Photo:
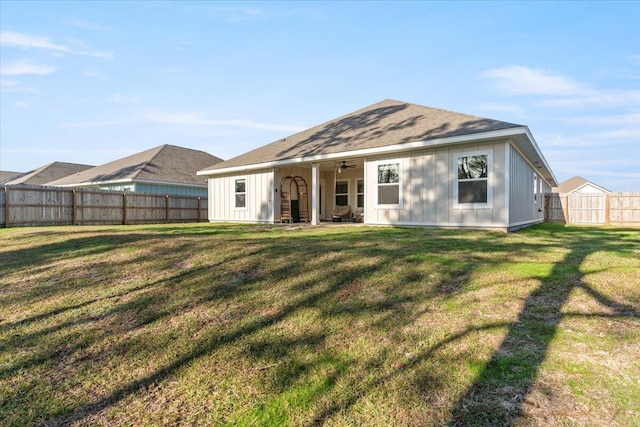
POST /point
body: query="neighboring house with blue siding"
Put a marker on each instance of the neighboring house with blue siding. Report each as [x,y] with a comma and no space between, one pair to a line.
[166,169]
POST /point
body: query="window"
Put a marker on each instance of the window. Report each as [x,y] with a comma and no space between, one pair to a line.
[388,183]
[472,187]
[360,193]
[241,193]
[535,188]
[342,193]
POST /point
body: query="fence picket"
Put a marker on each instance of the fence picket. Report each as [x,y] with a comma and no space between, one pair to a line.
[33,205]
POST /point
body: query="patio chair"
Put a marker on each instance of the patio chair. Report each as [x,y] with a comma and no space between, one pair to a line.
[341,213]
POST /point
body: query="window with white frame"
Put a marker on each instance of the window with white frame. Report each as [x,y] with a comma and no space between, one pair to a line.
[389,184]
[535,188]
[360,193]
[240,189]
[342,193]
[472,187]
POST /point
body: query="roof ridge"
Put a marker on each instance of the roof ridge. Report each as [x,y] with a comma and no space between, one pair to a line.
[159,150]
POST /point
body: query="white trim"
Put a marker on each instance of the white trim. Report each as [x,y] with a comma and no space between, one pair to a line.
[577,189]
[401,173]
[441,224]
[364,192]
[396,148]
[234,193]
[250,220]
[507,182]
[490,180]
[531,221]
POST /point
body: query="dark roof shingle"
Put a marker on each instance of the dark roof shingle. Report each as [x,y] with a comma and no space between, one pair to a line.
[47,173]
[385,123]
[165,163]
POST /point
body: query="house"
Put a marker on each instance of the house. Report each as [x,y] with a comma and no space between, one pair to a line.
[46,173]
[166,169]
[578,184]
[8,176]
[393,163]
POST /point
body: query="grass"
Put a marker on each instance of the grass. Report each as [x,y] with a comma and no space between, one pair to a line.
[255,325]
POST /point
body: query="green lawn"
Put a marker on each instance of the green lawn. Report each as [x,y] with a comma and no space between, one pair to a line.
[203,324]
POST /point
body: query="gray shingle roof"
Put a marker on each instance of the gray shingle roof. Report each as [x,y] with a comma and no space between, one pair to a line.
[165,163]
[47,173]
[573,183]
[8,176]
[382,124]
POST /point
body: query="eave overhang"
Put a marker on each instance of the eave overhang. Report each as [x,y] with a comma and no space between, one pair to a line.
[520,136]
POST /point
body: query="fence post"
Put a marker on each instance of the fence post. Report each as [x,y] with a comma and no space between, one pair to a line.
[566,209]
[166,207]
[199,208]
[74,214]
[607,209]
[6,207]
[124,208]
[546,207]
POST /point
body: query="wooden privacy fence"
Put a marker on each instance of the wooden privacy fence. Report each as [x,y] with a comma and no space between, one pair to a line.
[594,208]
[24,206]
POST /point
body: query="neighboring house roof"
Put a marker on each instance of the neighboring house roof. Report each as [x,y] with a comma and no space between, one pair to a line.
[8,176]
[47,173]
[382,127]
[575,184]
[163,164]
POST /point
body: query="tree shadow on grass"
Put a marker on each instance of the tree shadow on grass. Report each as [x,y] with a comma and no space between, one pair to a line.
[498,394]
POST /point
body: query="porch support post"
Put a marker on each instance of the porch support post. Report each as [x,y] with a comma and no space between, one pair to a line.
[315,193]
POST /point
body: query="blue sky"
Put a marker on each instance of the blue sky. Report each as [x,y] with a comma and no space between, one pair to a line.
[90,82]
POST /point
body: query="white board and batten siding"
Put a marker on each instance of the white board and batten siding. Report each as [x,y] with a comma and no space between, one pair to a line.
[428,178]
[259,206]
[525,205]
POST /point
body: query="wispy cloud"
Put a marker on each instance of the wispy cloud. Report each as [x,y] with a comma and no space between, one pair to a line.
[558,90]
[79,125]
[7,86]
[519,80]
[118,98]
[199,120]
[617,119]
[93,26]
[602,98]
[25,66]
[187,119]
[28,41]
[10,38]
[501,108]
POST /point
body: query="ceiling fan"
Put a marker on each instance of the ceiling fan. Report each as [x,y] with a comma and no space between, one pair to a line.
[344,165]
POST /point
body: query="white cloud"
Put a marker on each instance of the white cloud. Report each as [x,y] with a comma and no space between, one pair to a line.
[198,119]
[501,108]
[598,98]
[124,99]
[25,66]
[619,119]
[10,38]
[27,41]
[86,25]
[519,80]
[79,125]
[188,119]
[6,83]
